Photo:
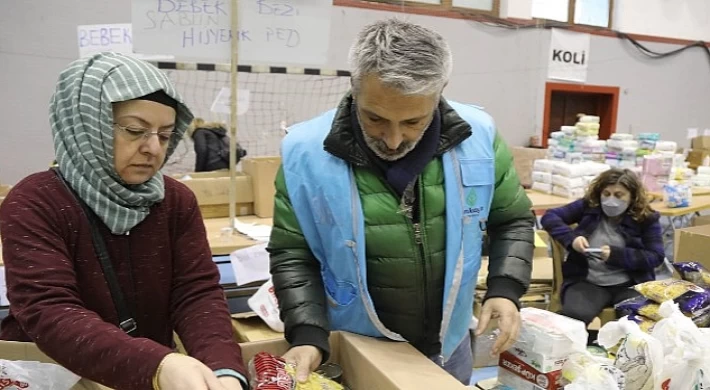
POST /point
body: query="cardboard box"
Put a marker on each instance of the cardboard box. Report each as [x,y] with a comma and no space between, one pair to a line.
[370,364]
[514,372]
[212,192]
[693,244]
[367,363]
[701,220]
[263,172]
[4,189]
[523,159]
[249,327]
[701,143]
[695,158]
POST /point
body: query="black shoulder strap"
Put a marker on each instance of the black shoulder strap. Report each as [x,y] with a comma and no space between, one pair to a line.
[126,321]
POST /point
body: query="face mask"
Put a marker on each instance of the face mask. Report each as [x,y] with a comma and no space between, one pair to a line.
[613,206]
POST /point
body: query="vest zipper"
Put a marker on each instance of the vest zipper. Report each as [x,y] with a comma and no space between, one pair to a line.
[419,242]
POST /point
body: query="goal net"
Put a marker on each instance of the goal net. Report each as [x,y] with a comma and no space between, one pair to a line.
[277,98]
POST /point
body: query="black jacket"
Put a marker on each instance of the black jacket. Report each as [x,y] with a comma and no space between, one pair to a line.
[212,149]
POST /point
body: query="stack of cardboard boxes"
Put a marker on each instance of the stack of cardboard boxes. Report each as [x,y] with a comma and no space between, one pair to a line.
[700,149]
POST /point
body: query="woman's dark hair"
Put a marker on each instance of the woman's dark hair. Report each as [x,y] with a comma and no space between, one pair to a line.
[639,208]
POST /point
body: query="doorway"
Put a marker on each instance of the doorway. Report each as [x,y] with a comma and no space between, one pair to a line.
[564,101]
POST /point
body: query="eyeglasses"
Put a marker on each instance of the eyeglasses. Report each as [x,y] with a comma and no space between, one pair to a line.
[135,134]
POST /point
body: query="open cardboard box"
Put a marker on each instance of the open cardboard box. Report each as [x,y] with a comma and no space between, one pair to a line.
[368,363]
[262,171]
[371,364]
[212,192]
[693,244]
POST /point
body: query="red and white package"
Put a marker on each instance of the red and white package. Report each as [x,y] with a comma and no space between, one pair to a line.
[269,372]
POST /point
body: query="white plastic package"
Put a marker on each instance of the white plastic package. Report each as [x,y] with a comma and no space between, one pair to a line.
[550,334]
[35,376]
[567,182]
[685,348]
[586,372]
[639,357]
[542,177]
[542,187]
[265,304]
[589,119]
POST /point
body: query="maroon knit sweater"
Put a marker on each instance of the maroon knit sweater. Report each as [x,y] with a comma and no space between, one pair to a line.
[60,299]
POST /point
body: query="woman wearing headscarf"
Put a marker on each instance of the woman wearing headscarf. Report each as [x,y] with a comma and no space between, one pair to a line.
[105,257]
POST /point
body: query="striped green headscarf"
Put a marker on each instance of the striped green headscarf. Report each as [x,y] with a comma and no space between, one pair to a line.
[81,117]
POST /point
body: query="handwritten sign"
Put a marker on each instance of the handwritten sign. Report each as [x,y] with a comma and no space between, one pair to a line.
[96,38]
[270,31]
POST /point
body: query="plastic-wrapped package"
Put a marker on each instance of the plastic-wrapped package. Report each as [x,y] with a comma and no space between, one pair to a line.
[586,372]
[684,348]
[694,273]
[542,187]
[482,347]
[677,195]
[622,137]
[269,372]
[639,356]
[646,324]
[665,290]
[640,305]
[35,376]
[550,334]
[542,177]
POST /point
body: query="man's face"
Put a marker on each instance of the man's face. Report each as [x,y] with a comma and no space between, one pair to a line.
[392,122]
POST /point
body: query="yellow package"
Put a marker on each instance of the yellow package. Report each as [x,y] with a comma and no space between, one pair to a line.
[314,382]
[666,290]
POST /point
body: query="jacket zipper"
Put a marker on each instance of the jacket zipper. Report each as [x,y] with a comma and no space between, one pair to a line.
[419,243]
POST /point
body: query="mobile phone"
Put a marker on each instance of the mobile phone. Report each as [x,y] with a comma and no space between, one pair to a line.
[593,250]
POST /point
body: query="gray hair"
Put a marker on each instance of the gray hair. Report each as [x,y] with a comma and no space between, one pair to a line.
[406,56]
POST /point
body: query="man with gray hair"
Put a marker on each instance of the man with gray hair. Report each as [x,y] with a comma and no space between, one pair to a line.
[381,209]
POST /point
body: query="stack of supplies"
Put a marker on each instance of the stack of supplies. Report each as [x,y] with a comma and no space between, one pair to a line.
[656,171]
[563,178]
[621,151]
[546,341]
[702,179]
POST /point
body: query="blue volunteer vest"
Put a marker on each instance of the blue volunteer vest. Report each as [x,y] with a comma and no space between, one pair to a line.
[326,202]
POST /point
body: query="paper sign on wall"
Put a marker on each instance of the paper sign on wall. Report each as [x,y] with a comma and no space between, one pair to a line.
[222,103]
[569,56]
[96,38]
[270,31]
[692,133]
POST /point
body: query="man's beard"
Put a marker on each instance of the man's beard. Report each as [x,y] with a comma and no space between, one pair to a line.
[381,150]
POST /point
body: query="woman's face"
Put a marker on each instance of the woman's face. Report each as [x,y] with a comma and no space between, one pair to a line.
[142,133]
[618,191]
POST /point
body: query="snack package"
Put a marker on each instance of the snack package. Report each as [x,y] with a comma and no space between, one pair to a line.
[35,376]
[665,290]
[586,372]
[639,357]
[269,372]
[644,323]
[640,305]
[694,273]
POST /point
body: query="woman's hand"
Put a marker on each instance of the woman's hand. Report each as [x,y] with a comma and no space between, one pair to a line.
[606,252]
[580,244]
[180,372]
[230,383]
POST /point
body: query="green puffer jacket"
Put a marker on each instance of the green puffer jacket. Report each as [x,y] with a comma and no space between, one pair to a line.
[405,280]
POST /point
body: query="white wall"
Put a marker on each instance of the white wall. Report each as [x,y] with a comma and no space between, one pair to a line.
[685,19]
[682,19]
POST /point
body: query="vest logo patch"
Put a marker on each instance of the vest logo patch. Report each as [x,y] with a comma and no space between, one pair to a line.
[472,210]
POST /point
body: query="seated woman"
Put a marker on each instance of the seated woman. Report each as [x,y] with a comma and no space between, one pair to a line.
[616,244]
[106,257]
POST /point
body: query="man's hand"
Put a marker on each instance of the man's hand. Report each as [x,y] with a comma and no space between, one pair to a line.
[606,252]
[508,322]
[230,383]
[306,358]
